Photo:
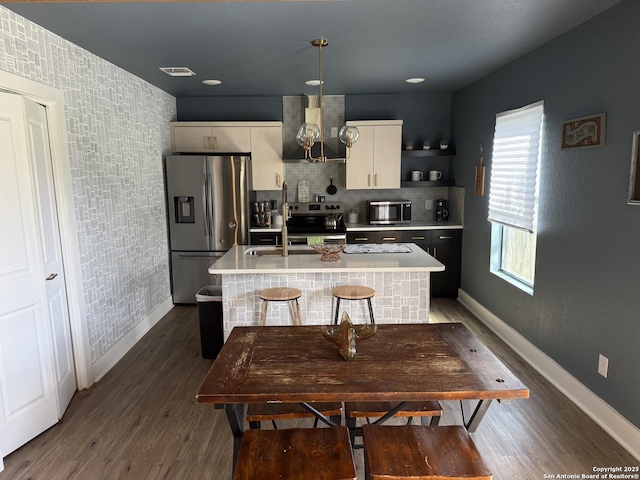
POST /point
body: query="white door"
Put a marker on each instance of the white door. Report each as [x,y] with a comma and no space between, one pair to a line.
[28,403]
[38,138]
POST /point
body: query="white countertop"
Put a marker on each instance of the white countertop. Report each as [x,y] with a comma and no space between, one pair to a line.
[360,227]
[237,261]
[425,225]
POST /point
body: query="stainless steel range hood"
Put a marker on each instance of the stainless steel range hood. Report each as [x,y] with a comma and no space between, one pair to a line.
[301,109]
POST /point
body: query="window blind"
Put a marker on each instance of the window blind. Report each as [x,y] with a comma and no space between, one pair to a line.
[513,188]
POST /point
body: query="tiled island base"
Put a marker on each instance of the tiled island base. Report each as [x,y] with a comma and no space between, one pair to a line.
[401,297]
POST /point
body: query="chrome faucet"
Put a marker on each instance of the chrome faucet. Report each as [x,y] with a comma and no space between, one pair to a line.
[285,216]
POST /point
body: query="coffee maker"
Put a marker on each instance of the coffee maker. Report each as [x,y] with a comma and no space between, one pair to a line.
[442,213]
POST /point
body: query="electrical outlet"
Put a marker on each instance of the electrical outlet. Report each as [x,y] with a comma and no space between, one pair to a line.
[428,204]
[603,365]
[334,132]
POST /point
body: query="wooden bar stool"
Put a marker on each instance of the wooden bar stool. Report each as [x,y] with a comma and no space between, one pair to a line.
[264,412]
[429,413]
[296,453]
[424,410]
[280,294]
[259,412]
[416,452]
[353,292]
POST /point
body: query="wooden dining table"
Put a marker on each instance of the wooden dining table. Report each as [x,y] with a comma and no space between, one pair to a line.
[400,363]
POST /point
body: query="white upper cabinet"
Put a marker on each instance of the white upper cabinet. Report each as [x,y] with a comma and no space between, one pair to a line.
[375,157]
[266,157]
[262,139]
[210,139]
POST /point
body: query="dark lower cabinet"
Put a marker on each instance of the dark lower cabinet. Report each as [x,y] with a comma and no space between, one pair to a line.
[446,247]
[266,239]
[375,237]
[361,237]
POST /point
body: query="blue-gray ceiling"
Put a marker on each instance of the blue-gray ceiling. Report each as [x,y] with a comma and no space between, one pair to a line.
[263,48]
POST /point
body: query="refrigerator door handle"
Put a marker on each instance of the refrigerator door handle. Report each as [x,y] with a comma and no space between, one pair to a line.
[234,193]
[209,208]
[205,208]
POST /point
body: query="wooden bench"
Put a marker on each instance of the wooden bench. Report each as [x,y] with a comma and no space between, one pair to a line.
[264,412]
[296,453]
[417,452]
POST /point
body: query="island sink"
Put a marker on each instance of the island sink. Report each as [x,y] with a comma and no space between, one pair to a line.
[278,251]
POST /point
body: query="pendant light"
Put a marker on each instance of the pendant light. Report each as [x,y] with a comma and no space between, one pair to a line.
[310,133]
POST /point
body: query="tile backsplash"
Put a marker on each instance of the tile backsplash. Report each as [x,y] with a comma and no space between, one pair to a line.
[319,177]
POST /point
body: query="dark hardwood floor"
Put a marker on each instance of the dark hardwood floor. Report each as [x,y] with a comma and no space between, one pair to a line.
[142,422]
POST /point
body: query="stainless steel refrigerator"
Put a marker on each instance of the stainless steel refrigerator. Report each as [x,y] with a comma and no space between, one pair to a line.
[208,201]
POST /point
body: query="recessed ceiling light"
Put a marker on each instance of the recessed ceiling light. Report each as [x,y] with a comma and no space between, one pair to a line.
[414,80]
[178,71]
[313,83]
[211,82]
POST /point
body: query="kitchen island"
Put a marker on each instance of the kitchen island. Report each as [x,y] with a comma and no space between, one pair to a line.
[401,282]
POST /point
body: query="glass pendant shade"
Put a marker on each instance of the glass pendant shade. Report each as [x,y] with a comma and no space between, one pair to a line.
[308,134]
[349,135]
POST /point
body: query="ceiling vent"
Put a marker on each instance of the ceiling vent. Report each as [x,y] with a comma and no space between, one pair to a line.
[178,71]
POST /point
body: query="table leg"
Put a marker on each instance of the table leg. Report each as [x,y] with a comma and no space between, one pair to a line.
[235,417]
[329,421]
[390,413]
[476,415]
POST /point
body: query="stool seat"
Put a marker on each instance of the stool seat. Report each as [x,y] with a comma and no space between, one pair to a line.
[297,453]
[379,409]
[429,413]
[261,412]
[417,452]
[353,292]
[280,294]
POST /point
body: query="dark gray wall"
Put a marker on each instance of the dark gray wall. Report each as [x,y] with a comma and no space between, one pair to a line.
[587,286]
[229,109]
[425,116]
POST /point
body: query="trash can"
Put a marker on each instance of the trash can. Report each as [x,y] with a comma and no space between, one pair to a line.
[209,301]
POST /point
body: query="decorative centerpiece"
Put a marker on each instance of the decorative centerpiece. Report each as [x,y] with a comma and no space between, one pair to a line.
[346,336]
[329,251]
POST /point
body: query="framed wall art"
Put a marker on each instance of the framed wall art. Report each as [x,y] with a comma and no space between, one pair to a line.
[634,178]
[584,132]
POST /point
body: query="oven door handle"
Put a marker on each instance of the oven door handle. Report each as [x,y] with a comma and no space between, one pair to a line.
[302,239]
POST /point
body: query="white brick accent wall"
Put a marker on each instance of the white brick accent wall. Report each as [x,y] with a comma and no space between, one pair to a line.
[399,298]
[118,132]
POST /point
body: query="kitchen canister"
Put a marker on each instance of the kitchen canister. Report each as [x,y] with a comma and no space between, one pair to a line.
[352,217]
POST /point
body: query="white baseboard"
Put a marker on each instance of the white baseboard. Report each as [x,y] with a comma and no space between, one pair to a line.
[623,431]
[122,346]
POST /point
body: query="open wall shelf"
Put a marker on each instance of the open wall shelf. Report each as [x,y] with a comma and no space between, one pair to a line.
[427,183]
[449,152]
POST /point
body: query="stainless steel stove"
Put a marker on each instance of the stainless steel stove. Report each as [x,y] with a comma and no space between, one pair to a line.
[310,220]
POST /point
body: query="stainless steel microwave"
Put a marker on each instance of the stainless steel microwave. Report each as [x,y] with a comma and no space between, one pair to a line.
[388,212]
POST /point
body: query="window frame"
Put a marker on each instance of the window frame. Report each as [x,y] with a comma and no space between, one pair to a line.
[497,245]
[497,228]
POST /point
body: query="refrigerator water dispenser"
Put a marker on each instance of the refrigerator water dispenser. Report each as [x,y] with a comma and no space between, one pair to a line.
[184,210]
